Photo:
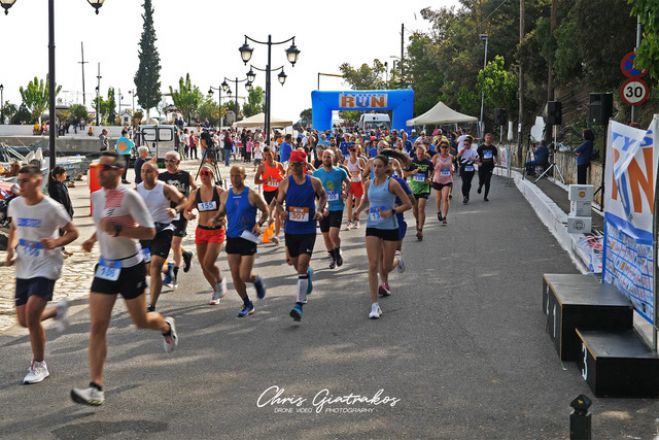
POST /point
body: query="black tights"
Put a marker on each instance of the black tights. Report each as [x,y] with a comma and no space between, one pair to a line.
[466,182]
[484,177]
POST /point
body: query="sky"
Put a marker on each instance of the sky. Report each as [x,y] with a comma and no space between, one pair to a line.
[202,37]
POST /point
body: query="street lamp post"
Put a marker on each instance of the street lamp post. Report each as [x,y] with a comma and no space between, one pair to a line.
[292,54]
[483,37]
[132,94]
[52,131]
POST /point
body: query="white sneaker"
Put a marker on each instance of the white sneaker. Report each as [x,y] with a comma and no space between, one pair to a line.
[218,292]
[88,396]
[401,264]
[376,311]
[355,225]
[171,341]
[61,316]
[37,372]
[348,226]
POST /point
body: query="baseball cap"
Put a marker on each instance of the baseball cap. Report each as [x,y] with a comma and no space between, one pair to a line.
[298,156]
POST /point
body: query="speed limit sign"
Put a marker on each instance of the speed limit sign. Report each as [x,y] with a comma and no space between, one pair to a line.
[634,91]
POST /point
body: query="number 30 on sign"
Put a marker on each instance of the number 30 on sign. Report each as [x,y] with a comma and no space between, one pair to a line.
[634,91]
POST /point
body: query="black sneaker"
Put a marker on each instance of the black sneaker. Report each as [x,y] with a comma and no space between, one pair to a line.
[480,189]
[187,260]
[339,259]
[486,199]
[439,216]
[465,201]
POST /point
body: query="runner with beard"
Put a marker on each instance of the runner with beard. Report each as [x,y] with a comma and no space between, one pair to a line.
[185,184]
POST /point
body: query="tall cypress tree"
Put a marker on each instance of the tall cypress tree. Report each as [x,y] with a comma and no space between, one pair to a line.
[147,78]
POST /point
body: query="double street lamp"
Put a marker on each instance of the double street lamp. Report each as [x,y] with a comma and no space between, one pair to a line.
[292,54]
[52,130]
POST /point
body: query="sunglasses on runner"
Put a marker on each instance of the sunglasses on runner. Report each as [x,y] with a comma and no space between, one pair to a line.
[205,173]
[106,167]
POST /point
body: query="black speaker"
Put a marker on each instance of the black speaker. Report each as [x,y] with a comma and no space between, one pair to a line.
[500,116]
[554,113]
[601,108]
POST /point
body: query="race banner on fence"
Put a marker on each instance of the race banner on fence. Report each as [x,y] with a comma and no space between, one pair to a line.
[631,173]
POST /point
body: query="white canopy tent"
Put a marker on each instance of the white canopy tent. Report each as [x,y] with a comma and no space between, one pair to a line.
[258,121]
[441,114]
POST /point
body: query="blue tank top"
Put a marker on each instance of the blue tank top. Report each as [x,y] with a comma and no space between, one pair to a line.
[381,199]
[241,215]
[300,207]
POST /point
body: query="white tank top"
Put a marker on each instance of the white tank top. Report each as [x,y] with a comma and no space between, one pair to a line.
[156,202]
[355,172]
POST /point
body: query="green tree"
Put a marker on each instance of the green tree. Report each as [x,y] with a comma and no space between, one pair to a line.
[111,106]
[187,97]
[498,85]
[35,96]
[147,78]
[648,52]
[78,112]
[306,115]
[8,111]
[255,100]
[209,109]
[22,116]
[364,77]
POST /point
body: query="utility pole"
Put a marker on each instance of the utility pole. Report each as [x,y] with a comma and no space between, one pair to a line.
[98,96]
[552,29]
[520,90]
[82,63]
[402,52]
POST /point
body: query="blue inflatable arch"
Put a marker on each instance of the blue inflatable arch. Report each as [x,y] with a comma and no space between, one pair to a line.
[400,102]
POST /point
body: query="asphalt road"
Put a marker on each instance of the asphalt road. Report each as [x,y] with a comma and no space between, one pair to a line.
[461,348]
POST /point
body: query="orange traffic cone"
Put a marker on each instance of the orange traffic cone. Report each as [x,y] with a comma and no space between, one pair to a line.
[267,235]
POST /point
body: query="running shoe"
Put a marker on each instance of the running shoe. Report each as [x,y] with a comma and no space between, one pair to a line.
[356,225]
[88,396]
[444,222]
[61,316]
[384,290]
[37,372]
[419,235]
[401,264]
[296,313]
[332,264]
[187,261]
[310,285]
[486,199]
[246,310]
[348,226]
[376,311]
[439,216]
[171,340]
[167,281]
[480,189]
[339,259]
[260,288]
[218,292]
[275,240]
[465,200]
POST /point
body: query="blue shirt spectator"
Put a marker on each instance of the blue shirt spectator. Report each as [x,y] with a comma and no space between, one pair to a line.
[285,150]
[584,152]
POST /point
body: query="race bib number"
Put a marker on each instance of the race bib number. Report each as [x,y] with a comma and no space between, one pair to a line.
[297,214]
[487,154]
[108,270]
[420,178]
[272,183]
[332,196]
[375,214]
[469,168]
[31,248]
[207,206]
[445,172]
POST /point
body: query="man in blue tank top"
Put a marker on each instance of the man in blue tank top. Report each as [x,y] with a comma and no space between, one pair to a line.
[336,183]
[239,204]
[299,191]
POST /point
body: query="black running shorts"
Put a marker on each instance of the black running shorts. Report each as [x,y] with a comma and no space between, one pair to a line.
[333,220]
[300,244]
[131,282]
